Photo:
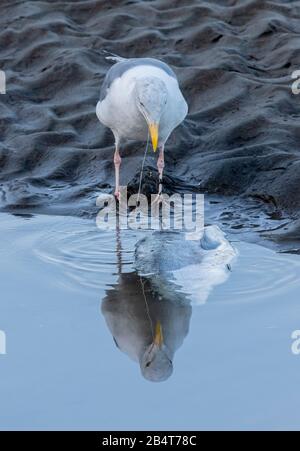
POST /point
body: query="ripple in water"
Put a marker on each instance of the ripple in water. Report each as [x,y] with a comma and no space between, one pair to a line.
[259,274]
[86,255]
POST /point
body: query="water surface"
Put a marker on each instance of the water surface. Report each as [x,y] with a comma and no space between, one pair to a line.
[233,369]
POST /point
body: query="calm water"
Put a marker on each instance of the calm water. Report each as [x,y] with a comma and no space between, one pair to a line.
[234,369]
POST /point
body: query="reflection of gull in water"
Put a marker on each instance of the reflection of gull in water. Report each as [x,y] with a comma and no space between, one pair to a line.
[148,311]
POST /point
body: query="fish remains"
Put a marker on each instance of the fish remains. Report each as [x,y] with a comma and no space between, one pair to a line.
[118,441]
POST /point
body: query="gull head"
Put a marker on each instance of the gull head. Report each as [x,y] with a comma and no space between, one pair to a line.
[156,366]
[151,98]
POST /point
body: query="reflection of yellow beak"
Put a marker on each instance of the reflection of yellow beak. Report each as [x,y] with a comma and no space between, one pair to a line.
[158,339]
[153,129]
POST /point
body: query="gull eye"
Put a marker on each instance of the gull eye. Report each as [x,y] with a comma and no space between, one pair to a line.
[148,364]
[141,103]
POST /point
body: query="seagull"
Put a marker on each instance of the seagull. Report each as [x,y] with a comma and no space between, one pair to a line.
[185,271]
[140,97]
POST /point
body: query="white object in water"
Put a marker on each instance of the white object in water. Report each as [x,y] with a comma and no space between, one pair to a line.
[185,271]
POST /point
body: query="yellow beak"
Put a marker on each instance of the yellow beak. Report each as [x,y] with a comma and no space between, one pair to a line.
[158,339]
[153,129]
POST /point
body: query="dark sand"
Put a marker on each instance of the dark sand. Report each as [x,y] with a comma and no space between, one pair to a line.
[234,60]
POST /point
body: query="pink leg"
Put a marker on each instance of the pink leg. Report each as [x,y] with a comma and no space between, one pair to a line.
[117,162]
